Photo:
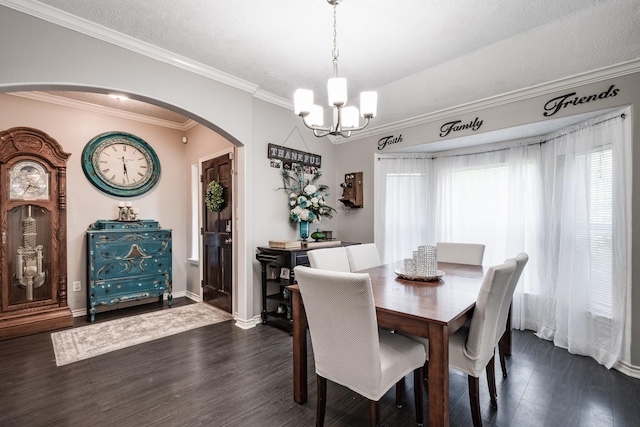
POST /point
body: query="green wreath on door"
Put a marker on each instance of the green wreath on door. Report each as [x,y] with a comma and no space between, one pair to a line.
[214,197]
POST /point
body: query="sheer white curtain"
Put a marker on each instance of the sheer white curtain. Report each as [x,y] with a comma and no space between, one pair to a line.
[492,198]
[564,201]
[587,196]
[402,218]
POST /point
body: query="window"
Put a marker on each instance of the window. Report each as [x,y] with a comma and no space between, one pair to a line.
[596,236]
[406,209]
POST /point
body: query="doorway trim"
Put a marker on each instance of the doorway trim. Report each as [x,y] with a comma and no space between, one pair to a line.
[234,230]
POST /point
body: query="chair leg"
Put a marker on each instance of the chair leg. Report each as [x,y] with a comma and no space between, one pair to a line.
[474,400]
[374,413]
[504,345]
[322,400]
[399,392]
[491,380]
[418,374]
[503,363]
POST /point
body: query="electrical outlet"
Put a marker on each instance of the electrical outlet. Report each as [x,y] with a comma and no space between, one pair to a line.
[77,286]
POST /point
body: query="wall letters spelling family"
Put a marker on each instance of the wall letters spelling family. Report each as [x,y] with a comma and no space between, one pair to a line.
[556,104]
[455,126]
[388,140]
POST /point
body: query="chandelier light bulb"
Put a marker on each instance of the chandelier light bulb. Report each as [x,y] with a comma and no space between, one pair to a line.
[302,101]
[368,104]
[316,116]
[337,89]
[350,117]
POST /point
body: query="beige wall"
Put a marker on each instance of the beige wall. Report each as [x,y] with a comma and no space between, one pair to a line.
[73,129]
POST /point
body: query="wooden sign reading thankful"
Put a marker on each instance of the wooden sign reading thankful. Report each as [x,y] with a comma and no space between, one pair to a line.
[289,155]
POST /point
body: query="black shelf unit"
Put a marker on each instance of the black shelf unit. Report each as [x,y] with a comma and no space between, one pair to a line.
[276,300]
[274,291]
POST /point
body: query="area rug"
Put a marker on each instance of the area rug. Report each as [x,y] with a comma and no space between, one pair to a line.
[76,344]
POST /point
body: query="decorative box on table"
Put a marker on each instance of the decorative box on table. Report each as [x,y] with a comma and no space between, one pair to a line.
[127,260]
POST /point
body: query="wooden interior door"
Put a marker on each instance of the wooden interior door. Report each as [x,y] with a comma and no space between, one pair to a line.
[217,236]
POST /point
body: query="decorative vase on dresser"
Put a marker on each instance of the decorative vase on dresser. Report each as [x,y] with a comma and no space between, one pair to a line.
[126,261]
[33,221]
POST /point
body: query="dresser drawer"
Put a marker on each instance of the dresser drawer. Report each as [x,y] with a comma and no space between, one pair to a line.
[154,285]
[109,246]
[125,268]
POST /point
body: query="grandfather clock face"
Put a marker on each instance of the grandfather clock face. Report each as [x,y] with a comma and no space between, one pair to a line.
[28,180]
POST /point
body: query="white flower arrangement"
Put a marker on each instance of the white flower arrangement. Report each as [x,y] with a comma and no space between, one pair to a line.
[306,199]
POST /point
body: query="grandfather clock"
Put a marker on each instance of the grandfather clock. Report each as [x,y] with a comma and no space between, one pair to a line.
[33,223]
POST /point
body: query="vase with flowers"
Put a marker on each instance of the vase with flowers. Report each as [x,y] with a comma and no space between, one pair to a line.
[307,199]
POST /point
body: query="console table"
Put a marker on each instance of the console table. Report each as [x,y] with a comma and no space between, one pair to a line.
[277,273]
[127,260]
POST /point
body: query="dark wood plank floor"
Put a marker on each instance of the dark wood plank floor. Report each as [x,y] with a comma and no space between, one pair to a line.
[221,375]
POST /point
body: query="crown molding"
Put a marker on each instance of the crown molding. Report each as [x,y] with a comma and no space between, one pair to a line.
[85,106]
[83,26]
[581,79]
[274,99]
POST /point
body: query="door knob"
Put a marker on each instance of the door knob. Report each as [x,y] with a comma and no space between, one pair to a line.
[227,241]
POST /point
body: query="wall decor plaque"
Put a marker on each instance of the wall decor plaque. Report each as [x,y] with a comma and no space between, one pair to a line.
[288,156]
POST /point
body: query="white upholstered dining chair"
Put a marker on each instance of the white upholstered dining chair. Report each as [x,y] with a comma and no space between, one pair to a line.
[363,256]
[472,348]
[460,253]
[333,259]
[348,347]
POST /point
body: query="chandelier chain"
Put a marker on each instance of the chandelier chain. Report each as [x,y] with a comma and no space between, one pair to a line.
[335,35]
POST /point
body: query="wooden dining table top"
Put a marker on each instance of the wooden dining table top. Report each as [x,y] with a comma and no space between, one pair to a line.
[441,301]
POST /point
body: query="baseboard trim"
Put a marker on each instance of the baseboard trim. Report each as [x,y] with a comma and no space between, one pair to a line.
[627,369]
[192,296]
[247,323]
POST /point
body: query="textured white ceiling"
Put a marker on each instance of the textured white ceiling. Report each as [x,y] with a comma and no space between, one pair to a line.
[421,56]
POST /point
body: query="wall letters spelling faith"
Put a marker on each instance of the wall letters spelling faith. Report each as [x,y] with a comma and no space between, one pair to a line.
[388,140]
[288,156]
[556,104]
[455,126]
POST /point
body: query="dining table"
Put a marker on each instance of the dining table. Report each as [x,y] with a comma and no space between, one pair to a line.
[431,309]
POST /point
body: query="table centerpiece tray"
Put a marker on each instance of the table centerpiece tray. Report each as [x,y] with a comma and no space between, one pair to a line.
[402,275]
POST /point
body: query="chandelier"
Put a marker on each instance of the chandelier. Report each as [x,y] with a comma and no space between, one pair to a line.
[345,119]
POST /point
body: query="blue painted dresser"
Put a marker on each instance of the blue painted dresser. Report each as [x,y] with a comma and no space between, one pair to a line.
[127,261]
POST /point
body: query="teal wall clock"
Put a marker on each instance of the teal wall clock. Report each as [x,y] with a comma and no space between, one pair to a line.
[120,164]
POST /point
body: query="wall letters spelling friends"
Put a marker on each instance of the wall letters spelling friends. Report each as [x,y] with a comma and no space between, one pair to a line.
[556,104]
[388,140]
[455,126]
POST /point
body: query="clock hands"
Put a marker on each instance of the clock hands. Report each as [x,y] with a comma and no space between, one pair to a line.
[27,189]
[124,165]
